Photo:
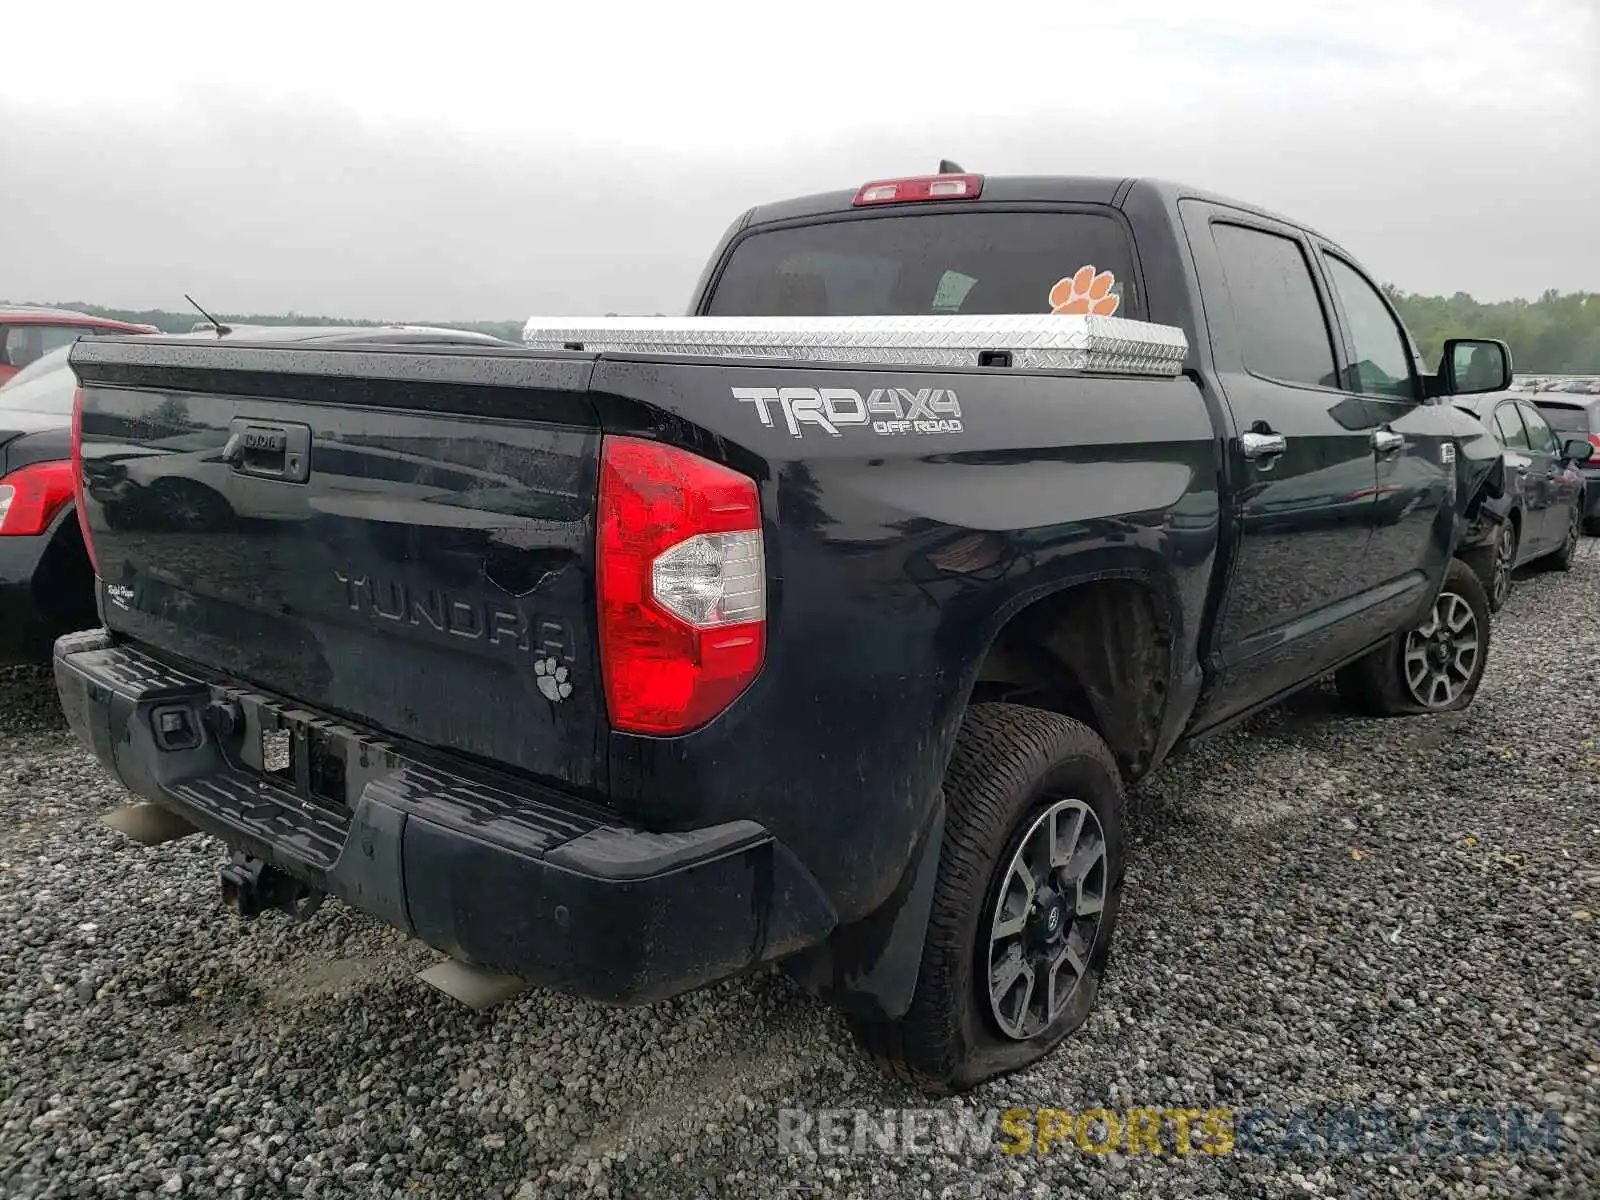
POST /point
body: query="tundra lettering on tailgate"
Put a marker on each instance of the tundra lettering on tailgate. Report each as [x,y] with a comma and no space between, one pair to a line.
[888,411]
[431,610]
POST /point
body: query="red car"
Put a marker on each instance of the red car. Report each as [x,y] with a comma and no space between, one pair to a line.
[27,333]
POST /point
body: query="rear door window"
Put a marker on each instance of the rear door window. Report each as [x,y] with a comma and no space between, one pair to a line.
[1283,331]
[927,264]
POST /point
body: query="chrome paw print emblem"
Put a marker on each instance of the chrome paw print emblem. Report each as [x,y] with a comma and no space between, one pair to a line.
[551,677]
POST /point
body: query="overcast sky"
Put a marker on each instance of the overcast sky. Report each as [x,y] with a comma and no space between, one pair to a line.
[530,158]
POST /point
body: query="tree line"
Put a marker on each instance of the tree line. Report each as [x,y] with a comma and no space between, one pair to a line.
[1557,334]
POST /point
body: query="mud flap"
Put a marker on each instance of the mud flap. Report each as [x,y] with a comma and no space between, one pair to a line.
[869,970]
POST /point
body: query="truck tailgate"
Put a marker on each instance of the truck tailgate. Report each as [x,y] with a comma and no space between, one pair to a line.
[400,535]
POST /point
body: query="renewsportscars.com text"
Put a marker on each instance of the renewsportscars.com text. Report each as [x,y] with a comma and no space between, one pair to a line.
[1178,1131]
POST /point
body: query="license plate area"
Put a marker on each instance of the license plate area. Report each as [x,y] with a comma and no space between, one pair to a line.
[277,751]
[297,752]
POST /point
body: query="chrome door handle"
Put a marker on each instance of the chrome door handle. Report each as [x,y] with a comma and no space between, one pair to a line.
[1386,441]
[1263,445]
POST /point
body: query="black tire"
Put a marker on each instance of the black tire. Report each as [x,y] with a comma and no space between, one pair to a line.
[1378,684]
[1563,557]
[1495,564]
[1010,764]
[1591,526]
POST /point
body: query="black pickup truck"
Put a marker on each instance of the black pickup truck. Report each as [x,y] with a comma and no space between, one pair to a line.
[825,625]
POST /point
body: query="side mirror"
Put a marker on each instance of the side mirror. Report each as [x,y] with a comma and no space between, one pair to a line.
[1473,365]
[1577,450]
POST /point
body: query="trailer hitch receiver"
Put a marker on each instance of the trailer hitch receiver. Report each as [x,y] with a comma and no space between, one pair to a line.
[251,887]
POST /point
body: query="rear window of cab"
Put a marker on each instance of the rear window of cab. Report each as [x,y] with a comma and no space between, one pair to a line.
[928,264]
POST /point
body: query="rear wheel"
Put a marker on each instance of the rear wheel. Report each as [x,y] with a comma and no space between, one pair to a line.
[1024,905]
[1435,667]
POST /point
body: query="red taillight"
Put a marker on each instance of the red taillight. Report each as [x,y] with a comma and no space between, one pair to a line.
[77,478]
[31,498]
[1594,440]
[682,585]
[923,187]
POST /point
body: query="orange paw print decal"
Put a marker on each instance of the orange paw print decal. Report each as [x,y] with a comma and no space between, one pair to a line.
[1085,293]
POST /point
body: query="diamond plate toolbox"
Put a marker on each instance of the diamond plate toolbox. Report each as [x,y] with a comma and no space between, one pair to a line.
[1038,341]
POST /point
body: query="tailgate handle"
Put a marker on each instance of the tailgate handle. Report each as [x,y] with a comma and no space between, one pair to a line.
[269,449]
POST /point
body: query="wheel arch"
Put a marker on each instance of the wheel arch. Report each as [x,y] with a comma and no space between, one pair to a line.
[1104,649]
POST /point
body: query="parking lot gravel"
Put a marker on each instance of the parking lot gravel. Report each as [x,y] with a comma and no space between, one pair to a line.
[1323,912]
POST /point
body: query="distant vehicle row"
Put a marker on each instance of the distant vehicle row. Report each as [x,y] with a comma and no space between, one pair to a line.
[1548,492]
[1582,387]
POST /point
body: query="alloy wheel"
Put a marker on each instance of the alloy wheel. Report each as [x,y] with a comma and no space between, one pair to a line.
[1442,653]
[1046,917]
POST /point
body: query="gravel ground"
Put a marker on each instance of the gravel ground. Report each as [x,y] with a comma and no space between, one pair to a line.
[1322,913]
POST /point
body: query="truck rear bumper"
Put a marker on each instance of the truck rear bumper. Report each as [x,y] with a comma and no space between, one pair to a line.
[499,873]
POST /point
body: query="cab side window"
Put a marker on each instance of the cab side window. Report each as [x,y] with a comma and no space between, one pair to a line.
[1512,434]
[1382,365]
[1540,435]
[1283,332]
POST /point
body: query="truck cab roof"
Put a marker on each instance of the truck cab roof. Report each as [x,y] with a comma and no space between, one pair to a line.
[1027,189]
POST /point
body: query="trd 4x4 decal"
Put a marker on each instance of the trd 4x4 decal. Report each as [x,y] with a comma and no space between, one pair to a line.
[889,411]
